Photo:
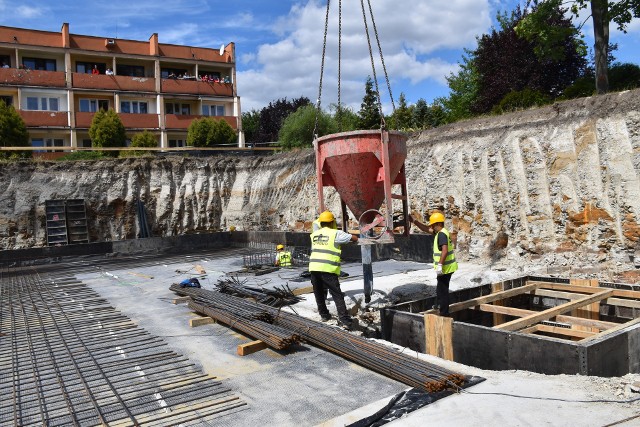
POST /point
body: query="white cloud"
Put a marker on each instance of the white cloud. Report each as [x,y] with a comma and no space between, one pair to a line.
[411,33]
[28,12]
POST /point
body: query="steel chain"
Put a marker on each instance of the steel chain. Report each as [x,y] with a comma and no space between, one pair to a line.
[373,67]
[324,49]
[384,67]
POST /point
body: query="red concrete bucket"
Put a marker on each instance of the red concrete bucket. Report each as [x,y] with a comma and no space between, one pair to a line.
[358,164]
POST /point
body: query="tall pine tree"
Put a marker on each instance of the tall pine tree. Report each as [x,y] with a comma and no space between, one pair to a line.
[369,113]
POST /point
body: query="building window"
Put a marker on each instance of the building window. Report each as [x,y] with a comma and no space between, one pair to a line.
[93,105]
[212,110]
[167,73]
[135,107]
[176,108]
[173,143]
[46,142]
[8,100]
[39,64]
[130,70]
[85,143]
[5,61]
[42,104]
[86,67]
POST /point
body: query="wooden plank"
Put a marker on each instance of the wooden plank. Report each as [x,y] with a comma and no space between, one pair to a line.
[498,318]
[144,276]
[573,333]
[519,312]
[200,269]
[591,311]
[622,293]
[574,296]
[552,312]
[439,336]
[463,305]
[199,321]
[250,347]
[615,329]
[181,300]
[302,291]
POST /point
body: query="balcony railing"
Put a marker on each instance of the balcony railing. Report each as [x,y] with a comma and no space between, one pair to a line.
[121,83]
[18,77]
[130,121]
[45,118]
[182,121]
[194,87]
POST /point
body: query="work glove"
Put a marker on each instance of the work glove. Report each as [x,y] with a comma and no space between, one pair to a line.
[438,269]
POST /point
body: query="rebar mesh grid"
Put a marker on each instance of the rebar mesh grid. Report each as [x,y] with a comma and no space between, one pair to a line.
[68,358]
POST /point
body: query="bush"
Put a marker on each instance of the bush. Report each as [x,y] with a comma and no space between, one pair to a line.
[82,155]
[142,139]
[297,129]
[107,130]
[584,86]
[13,132]
[520,100]
[624,77]
[209,132]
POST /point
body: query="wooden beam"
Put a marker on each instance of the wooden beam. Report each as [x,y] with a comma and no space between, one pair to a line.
[574,296]
[573,333]
[181,300]
[616,329]
[199,321]
[439,336]
[200,269]
[302,291]
[622,293]
[250,347]
[552,312]
[498,318]
[463,305]
[519,312]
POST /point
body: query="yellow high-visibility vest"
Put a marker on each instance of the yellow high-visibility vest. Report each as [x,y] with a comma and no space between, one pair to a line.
[450,264]
[325,255]
[284,259]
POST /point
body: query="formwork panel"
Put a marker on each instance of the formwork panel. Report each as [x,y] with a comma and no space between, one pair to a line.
[404,329]
[537,354]
[634,350]
[609,357]
[479,346]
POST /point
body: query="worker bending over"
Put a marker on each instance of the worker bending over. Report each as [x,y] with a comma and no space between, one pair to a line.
[324,265]
[444,258]
[283,258]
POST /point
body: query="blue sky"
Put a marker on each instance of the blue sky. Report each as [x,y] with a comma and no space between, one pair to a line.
[279,42]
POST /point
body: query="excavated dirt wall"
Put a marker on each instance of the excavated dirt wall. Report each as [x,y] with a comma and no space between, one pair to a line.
[556,186]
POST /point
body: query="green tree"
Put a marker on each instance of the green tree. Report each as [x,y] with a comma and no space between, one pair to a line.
[464,87]
[603,12]
[273,115]
[143,139]
[505,62]
[402,117]
[369,114]
[346,119]
[13,132]
[297,129]
[107,130]
[209,132]
[250,125]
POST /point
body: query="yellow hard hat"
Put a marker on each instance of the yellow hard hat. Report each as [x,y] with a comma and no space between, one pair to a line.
[326,216]
[279,247]
[232,228]
[435,218]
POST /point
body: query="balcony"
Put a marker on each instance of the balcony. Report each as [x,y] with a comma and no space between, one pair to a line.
[119,83]
[14,76]
[194,87]
[130,121]
[44,118]
[182,121]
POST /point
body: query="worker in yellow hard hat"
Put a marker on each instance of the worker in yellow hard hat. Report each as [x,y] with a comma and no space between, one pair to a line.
[283,258]
[324,266]
[444,258]
[316,224]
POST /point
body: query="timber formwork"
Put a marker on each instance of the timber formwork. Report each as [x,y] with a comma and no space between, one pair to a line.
[67,358]
[539,324]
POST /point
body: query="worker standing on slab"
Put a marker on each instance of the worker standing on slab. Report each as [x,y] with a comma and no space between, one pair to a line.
[324,266]
[444,258]
[283,258]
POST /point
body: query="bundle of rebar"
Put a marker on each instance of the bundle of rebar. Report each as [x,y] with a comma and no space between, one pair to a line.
[370,354]
[276,297]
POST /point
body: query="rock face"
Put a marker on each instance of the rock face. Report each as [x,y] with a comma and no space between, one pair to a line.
[555,186]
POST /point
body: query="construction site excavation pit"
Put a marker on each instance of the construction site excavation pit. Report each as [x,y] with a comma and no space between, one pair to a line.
[539,324]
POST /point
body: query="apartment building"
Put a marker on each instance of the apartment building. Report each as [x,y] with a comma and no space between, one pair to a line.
[58,80]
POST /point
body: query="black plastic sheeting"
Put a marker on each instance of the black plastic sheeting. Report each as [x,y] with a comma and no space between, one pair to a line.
[408,401]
